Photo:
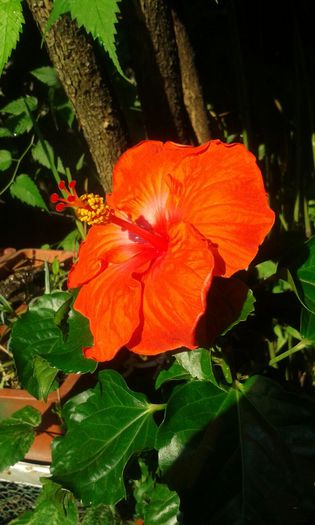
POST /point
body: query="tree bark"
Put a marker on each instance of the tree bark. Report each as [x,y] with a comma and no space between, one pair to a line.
[71,52]
[156,65]
[193,96]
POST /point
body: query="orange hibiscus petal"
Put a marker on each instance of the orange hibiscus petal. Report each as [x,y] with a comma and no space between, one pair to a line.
[175,291]
[103,244]
[111,302]
[223,196]
[141,177]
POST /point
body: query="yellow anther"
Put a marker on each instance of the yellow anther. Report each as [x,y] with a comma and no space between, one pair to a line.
[93,209]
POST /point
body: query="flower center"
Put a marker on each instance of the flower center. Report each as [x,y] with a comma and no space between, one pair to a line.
[92,209]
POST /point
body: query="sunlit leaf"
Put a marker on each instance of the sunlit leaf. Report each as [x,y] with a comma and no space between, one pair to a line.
[5,159]
[17,434]
[11,22]
[99,19]
[25,189]
[54,506]
[47,75]
[105,427]
[40,348]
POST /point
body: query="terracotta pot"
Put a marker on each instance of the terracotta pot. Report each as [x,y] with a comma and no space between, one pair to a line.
[12,261]
[12,400]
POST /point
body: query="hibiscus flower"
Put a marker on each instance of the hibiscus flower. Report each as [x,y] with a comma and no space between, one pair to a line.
[177,217]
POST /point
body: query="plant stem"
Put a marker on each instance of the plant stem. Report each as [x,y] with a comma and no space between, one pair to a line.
[300,346]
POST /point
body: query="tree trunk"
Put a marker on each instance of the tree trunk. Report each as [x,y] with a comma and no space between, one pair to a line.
[155,62]
[71,52]
[193,96]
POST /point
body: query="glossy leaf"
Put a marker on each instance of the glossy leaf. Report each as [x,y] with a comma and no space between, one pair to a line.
[307,326]
[163,507]
[54,506]
[302,271]
[5,159]
[189,410]
[99,20]
[11,16]
[105,427]
[198,364]
[101,515]
[25,189]
[39,346]
[17,434]
[155,502]
[174,373]
[242,465]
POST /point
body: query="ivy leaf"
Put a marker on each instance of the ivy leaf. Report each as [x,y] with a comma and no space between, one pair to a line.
[155,502]
[105,427]
[5,159]
[25,189]
[302,271]
[101,515]
[17,435]
[163,507]
[40,348]
[174,373]
[190,409]
[259,440]
[198,364]
[11,22]
[54,506]
[99,19]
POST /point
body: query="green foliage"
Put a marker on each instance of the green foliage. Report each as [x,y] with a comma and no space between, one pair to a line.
[20,118]
[246,310]
[156,504]
[11,22]
[43,153]
[40,347]
[98,18]
[227,449]
[101,515]
[47,75]
[54,506]
[302,271]
[24,189]
[5,159]
[105,427]
[17,435]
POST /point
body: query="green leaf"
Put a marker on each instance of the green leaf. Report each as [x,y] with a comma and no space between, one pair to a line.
[17,435]
[198,364]
[302,272]
[163,507]
[105,427]
[54,506]
[43,153]
[47,75]
[189,410]
[307,325]
[101,515]
[174,373]
[71,241]
[11,22]
[40,348]
[241,465]
[20,105]
[99,19]
[155,502]
[266,269]
[25,189]
[5,159]
[247,309]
